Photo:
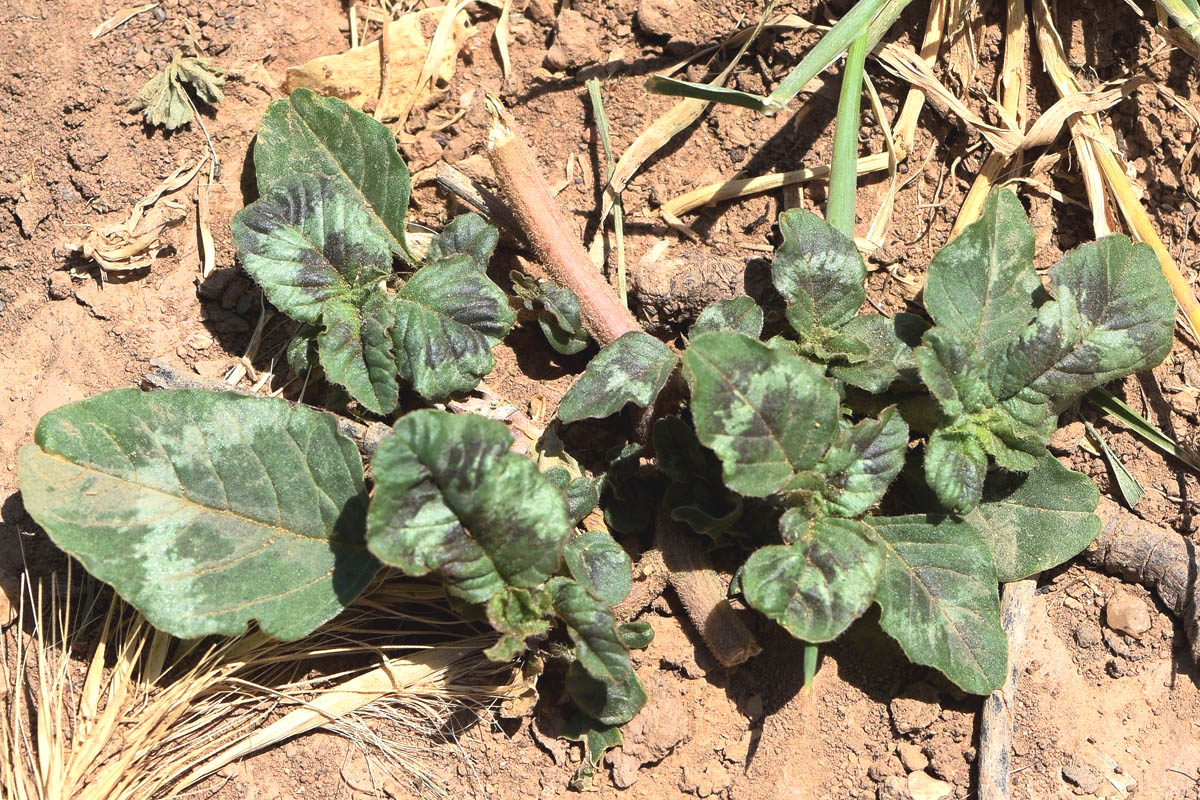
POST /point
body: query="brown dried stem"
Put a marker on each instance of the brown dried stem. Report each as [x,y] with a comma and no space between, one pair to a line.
[703,596]
[555,242]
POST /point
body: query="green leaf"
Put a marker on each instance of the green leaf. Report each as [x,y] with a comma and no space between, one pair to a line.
[450,498]
[308,245]
[697,495]
[518,614]
[889,344]
[610,703]
[302,349]
[593,629]
[636,635]
[448,317]
[467,235]
[1112,315]
[597,738]
[633,369]
[863,462]
[307,134]
[557,312]
[739,314]
[767,414]
[938,593]
[981,286]
[819,272]
[205,511]
[599,564]
[355,350]
[955,466]
[821,582]
[1036,521]
[674,87]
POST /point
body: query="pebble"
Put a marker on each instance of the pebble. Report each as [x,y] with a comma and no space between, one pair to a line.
[1127,614]
[574,43]
[923,786]
[893,788]
[915,709]
[664,17]
[1087,635]
[60,285]
[10,598]
[912,758]
[1082,775]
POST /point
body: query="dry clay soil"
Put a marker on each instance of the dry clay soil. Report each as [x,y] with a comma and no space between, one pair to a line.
[1099,714]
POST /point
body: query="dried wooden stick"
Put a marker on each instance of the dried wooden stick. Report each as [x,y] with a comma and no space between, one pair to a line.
[555,242]
[703,596]
[1158,558]
[996,719]
[906,121]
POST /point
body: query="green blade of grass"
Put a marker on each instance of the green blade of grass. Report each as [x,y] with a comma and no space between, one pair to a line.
[1131,490]
[1141,427]
[618,209]
[872,17]
[843,170]
[1185,14]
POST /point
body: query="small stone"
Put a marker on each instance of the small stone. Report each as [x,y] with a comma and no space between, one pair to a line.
[60,285]
[893,788]
[201,341]
[912,758]
[10,599]
[885,767]
[664,17]
[738,752]
[1087,635]
[141,59]
[574,43]
[923,786]
[916,709]
[1125,613]
[1086,777]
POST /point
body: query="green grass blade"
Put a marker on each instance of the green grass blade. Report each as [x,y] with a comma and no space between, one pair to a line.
[1141,427]
[873,17]
[1131,491]
[843,172]
[1185,14]
[602,126]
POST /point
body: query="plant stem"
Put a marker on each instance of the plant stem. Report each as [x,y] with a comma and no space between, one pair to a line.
[555,242]
[843,171]
[810,665]
[703,596]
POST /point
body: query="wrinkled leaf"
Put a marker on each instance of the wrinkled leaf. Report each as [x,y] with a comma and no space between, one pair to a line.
[593,628]
[739,314]
[450,498]
[600,565]
[819,583]
[448,317]
[309,246]
[205,511]
[1112,315]
[863,462]
[819,272]
[164,100]
[557,312]
[636,635]
[467,235]
[518,614]
[767,414]
[955,466]
[597,738]
[939,597]
[1038,520]
[889,355]
[610,703]
[633,369]
[307,134]
[982,286]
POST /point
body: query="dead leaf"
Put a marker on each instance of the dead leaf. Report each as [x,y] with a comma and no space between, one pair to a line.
[136,242]
[120,18]
[164,99]
[356,75]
